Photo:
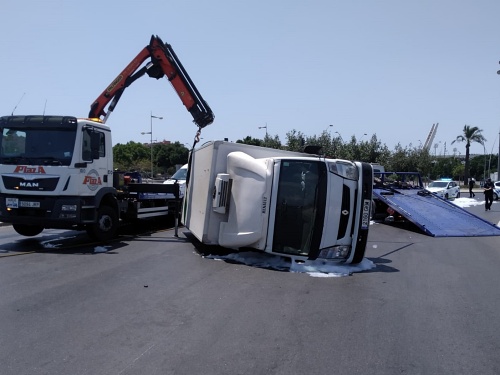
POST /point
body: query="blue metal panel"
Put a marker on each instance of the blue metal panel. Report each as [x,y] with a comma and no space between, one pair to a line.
[435,216]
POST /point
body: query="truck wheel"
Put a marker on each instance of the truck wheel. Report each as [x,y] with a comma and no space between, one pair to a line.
[105,227]
[27,230]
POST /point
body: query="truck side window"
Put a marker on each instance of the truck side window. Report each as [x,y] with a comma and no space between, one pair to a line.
[102,145]
[87,144]
[86,151]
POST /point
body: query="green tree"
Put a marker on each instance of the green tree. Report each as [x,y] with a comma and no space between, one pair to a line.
[272,142]
[470,134]
[251,141]
[458,171]
[130,156]
[167,156]
[295,141]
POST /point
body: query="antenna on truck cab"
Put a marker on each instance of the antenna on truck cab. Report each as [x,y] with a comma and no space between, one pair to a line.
[12,114]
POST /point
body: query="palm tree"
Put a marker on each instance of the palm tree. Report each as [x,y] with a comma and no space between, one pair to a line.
[470,134]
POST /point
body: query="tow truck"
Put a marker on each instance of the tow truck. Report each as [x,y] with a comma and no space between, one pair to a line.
[57,171]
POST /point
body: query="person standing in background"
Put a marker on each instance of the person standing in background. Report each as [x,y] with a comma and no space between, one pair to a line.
[488,194]
[472,182]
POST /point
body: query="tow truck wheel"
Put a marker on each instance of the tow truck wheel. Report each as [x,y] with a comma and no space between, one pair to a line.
[105,227]
[28,230]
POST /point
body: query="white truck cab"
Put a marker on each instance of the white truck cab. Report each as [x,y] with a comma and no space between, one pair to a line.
[57,172]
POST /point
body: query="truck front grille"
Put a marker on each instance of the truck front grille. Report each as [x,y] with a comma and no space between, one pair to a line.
[36,184]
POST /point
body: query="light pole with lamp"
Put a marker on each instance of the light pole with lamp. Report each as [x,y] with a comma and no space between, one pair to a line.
[151,144]
[264,127]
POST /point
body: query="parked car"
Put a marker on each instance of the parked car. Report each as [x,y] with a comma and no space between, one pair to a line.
[445,188]
[180,177]
[496,191]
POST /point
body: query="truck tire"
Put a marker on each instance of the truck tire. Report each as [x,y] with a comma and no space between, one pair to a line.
[105,227]
[28,230]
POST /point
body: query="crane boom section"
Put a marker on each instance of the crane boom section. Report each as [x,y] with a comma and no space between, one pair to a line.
[164,62]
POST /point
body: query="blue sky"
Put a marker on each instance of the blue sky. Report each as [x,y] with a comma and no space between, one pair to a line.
[390,68]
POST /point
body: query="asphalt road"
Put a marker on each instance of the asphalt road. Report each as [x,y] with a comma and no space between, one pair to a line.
[151,304]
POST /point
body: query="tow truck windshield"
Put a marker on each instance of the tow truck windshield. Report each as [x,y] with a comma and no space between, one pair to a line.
[36,143]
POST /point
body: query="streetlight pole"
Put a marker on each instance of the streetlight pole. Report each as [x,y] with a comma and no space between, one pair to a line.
[498,164]
[484,157]
[151,143]
[264,127]
[498,161]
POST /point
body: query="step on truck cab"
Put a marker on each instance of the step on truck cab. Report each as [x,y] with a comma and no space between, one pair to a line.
[291,204]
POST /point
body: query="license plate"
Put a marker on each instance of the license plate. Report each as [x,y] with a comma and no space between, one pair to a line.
[29,204]
[365,219]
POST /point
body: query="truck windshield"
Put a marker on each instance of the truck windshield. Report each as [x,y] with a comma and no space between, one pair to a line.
[300,207]
[35,145]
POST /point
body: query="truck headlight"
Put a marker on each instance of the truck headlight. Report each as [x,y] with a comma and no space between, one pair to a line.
[344,168]
[335,252]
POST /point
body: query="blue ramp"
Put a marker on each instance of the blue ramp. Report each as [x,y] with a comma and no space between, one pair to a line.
[435,216]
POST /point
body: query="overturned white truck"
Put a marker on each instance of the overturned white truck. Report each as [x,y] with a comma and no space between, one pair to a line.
[291,204]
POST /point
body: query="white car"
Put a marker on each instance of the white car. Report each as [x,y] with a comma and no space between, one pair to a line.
[496,191]
[445,188]
[180,177]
